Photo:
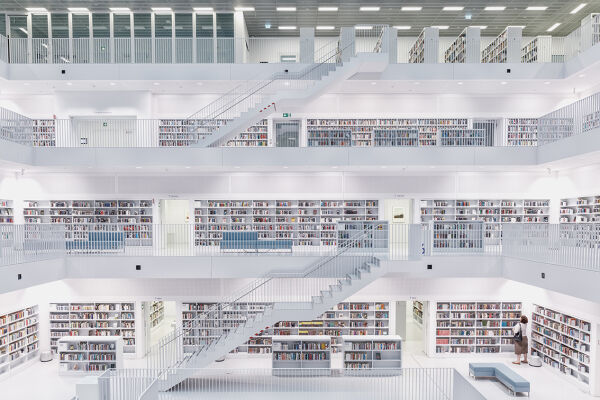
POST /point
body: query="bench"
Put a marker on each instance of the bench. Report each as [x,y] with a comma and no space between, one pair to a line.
[509,378]
[99,241]
[249,241]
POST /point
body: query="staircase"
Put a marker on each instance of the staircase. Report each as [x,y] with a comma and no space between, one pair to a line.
[299,296]
[254,100]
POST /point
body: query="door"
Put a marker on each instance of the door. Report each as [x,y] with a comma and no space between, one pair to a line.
[287,134]
[175,218]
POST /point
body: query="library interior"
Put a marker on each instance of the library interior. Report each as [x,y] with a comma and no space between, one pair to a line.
[227,199]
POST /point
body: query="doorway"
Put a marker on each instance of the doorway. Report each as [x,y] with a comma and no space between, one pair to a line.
[411,325]
[287,134]
[175,217]
[160,319]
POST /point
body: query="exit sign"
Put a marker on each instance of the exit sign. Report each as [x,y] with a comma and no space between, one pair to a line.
[287,115]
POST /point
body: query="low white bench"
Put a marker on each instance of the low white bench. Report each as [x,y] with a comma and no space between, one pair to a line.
[509,378]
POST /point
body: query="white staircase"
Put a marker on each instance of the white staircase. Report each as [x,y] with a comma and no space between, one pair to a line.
[254,100]
[297,296]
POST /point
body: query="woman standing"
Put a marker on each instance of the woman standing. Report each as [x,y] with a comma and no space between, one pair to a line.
[520,340]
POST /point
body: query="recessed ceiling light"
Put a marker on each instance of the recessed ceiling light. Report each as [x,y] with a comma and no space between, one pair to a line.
[138,167]
[453,8]
[553,27]
[440,26]
[286,28]
[503,83]
[363,27]
[78,10]
[373,83]
[370,8]
[268,25]
[244,8]
[495,8]
[36,9]
[547,83]
[328,8]
[578,8]
[26,83]
[468,16]
[112,84]
[582,75]
[325,28]
[403,27]
[199,83]
[161,9]
[285,167]
[334,167]
[417,83]
[156,83]
[203,8]
[459,83]
[536,8]
[236,167]
[69,83]
[188,167]
[411,8]
[286,8]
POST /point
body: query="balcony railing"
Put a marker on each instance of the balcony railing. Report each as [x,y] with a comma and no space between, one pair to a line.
[573,119]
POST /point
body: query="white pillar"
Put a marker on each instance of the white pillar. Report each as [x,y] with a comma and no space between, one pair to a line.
[307,45]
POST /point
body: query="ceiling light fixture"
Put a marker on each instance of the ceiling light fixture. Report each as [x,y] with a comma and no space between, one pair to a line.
[503,83]
[112,84]
[459,83]
[536,8]
[453,8]
[244,8]
[578,8]
[403,27]
[156,84]
[547,83]
[373,83]
[468,16]
[328,8]
[286,8]
[286,28]
[553,27]
[495,8]
[325,28]
[69,83]
[36,9]
[411,8]
[370,8]
[268,25]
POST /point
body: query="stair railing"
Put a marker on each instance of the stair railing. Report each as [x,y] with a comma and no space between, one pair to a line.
[287,287]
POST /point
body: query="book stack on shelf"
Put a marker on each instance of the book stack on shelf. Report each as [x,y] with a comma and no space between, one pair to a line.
[44,133]
[362,235]
[7,215]
[505,48]
[93,319]
[89,354]
[585,209]
[185,132]
[343,319]
[450,236]
[19,338]
[475,327]
[417,312]
[255,136]
[79,217]
[539,50]
[157,313]
[425,48]
[463,137]
[551,129]
[522,131]
[562,341]
[296,352]
[372,352]
[591,121]
[305,222]
[465,49]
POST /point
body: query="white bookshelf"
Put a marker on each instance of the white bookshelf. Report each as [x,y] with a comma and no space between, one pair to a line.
[80,217]
[417,312]
[255,136]
[103,319]
[7,215]
[84,355]
[465,48]
[457,236]
[563,341]
[583,210]
[372,352]
[19,338]
[157,313]
[505,48]
[188,132]
[295,352]
[591,121]
[538,50]
[359,235]
[551,129]
[425,48]
[463,137]
[522,131]
[305,222]
[44,132]
[590,31]
[475,327]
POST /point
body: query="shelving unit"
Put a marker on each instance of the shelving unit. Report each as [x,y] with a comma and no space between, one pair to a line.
[157,313]
[522,131]
[187,132]
[505,48]
[590,30]
[44,133]
[583,210]
[388,132]
[591,121]
[93,319]
[79,217]
[539,50]
[19,338]
[352,235]
[7,215]
[305,222]
[551,129]
[463,137]
[255,136]
[425,48]
[457,236]
[465,49]
[475,327]
[417,311]
[292,354]
[562,341]
[371,353]
[79,355]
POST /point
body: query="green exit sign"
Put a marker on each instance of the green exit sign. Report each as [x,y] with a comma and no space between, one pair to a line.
[287,115]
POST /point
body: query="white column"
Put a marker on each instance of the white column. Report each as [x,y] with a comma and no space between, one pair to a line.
[473,45]
[132,38]
[50,49]
[307,45]
[347,42]
[194,42]
[29,41]
[152,25]
[70,25]
[514,37]
[111,34]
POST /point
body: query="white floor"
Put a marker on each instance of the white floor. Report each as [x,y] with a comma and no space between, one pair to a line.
[40,381]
